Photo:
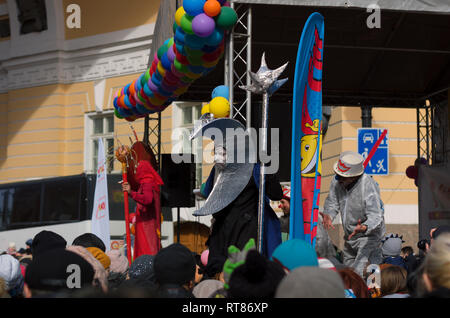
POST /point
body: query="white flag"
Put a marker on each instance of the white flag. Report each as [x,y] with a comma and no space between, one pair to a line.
[100,209]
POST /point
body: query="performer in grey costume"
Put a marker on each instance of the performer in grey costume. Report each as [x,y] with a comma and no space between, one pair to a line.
[357,197]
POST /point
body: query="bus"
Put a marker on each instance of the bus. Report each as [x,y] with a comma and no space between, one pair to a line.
[63,205]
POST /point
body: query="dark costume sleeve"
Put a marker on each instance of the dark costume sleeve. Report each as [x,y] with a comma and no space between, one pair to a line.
[273,187]
[145,194]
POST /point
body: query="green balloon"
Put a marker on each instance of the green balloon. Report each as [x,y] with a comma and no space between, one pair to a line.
[227,18]
[180,67]
[170,43]
[186,23]
[192,52]
[195,60]
[117,114]
[146,77]
[174,27]
[163,49]
[142,99]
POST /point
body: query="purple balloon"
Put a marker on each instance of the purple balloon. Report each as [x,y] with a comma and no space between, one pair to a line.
[170,54]
[203,26]
[152,86]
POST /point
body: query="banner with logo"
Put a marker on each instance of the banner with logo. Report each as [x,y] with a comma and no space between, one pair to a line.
[434,198]
[306,161]
[100,209]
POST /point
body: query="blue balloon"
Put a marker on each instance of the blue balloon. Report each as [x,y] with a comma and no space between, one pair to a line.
[124,112]
[180,49]
[193,7]
[166,62]
[209,49]
[215,38]
[147,91]
[196,69]
[221,91]
[194,42]
[180,36]
[155,79]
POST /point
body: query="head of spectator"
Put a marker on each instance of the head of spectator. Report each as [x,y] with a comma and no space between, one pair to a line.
[394,282]
[207,288]
[311,282]
[354,282]
[437,264]
[10,271]
[57,272]
[89,240]
[45,241]
[295,253]
[175,268]
[436,232]
[119,263]
[256,277]
[100,256]
[100,274]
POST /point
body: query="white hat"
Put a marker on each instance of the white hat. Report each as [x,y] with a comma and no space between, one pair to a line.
[350,164]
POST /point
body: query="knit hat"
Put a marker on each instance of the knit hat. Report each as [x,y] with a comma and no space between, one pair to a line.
[51,271]
[143,268]
[29,242]
[392,245]
[257,277]
[174,265]
[45,241]
[206,288]
[89,240]
[295,253]
[10,271]
[311,282]
[119,263]
[100,256]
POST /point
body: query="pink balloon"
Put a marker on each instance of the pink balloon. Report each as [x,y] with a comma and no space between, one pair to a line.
[204,257]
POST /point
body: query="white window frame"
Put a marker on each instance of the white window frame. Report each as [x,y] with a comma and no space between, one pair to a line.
[90,137]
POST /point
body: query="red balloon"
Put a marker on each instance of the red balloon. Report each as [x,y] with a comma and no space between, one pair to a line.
[412,172]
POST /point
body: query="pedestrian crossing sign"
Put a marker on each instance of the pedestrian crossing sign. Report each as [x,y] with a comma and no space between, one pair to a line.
[368,139]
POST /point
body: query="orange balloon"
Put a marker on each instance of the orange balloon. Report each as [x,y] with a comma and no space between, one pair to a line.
[212,8]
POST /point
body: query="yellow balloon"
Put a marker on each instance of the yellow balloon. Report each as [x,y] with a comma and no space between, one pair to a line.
[205,109]
[161,69]
[178,15]
[220,107]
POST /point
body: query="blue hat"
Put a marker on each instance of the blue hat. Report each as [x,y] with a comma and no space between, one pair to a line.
[295,253]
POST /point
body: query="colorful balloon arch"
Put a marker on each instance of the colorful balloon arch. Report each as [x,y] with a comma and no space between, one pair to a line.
[194,51]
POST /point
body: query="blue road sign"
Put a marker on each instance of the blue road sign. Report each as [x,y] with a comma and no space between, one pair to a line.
[379,163]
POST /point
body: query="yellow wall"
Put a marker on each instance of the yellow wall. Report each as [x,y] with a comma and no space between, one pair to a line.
[103,16]
[396,188]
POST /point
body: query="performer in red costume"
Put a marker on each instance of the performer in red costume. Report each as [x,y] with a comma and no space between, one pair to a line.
[147,218]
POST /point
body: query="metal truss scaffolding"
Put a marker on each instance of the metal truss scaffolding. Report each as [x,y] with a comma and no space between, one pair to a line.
[238,63]
[425,144]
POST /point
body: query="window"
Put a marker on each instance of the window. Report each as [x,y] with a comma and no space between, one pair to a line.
[101,126]
[67,206]
[5,31]
[26,204]
[32,16]
[189,114]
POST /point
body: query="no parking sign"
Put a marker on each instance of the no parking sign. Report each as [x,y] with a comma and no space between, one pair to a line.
[373,144]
